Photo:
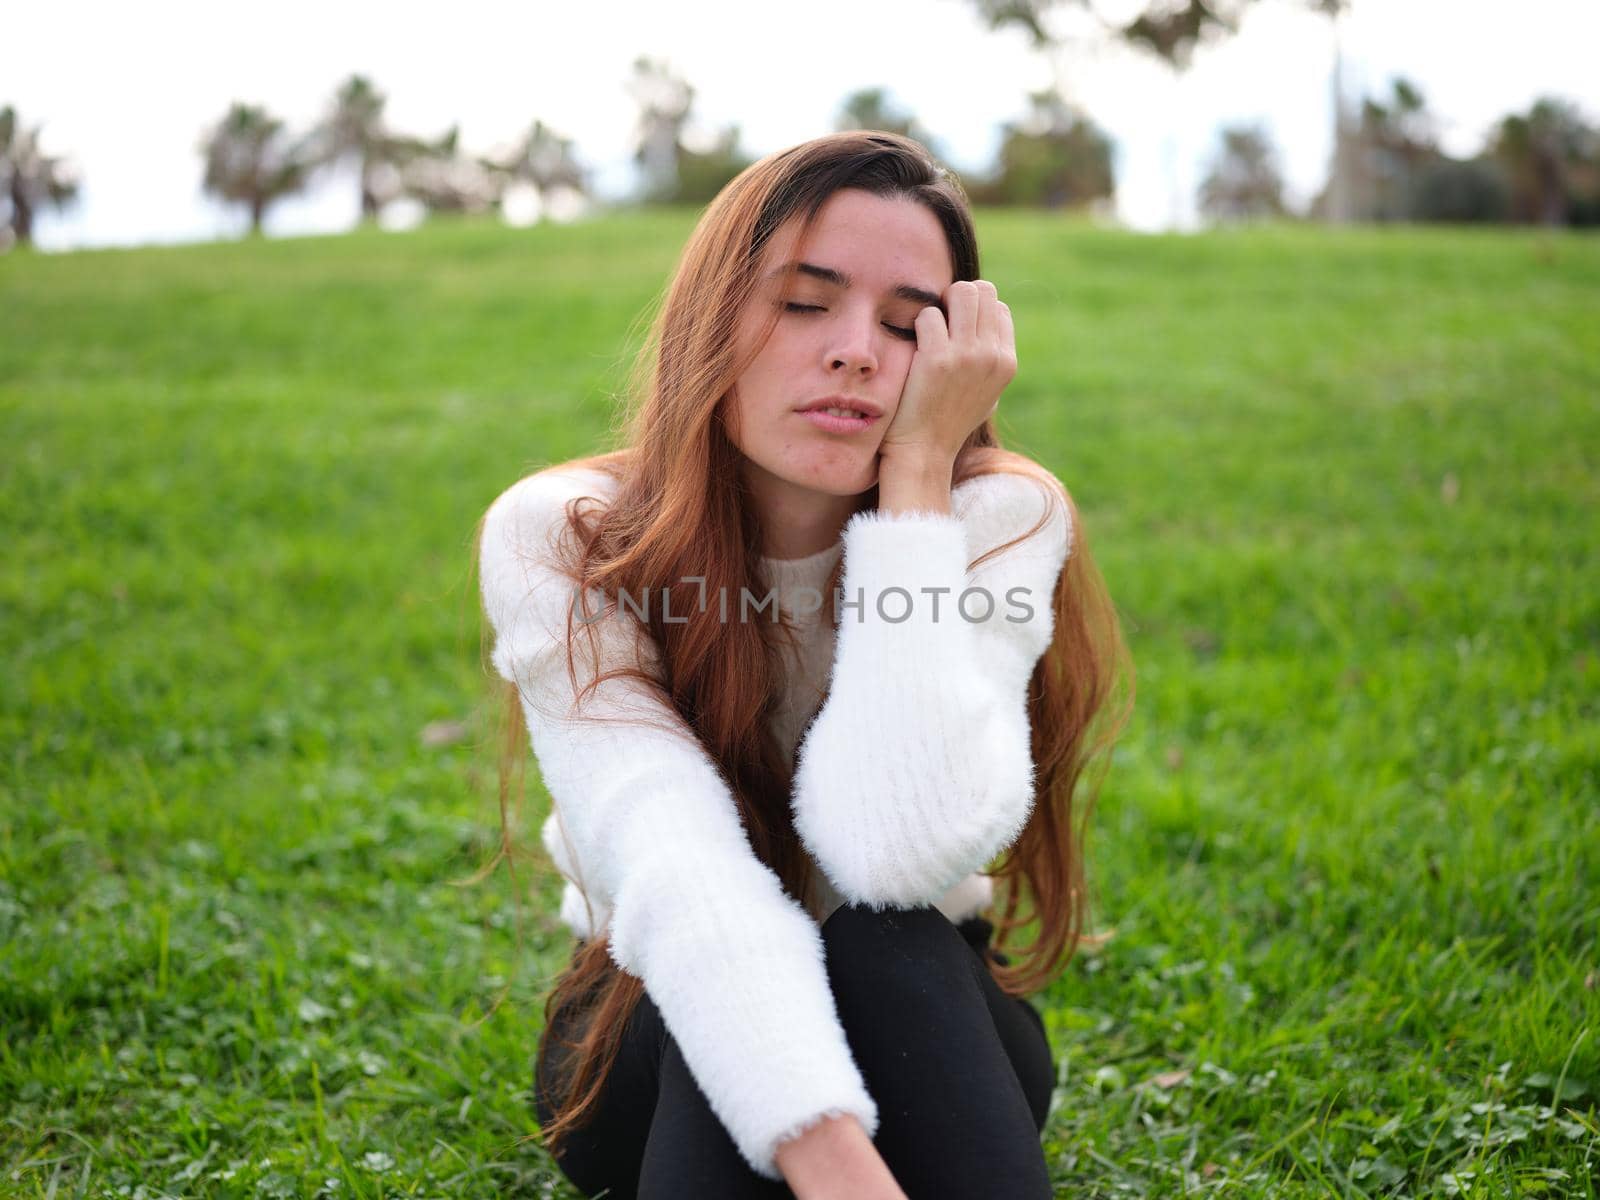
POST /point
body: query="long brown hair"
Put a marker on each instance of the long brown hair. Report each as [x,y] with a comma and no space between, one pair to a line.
[679,511]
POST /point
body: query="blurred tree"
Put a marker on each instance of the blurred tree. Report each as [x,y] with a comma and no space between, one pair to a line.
[674,171]
[704,173]
[1338,202]
[1540,166]
[354,128]
[1052,158]
[1244,181]
[1171,29]
[444,178]
[1168,29]
[251,160]
[1451,189]
[546,162]
[664,101]
[1385,155]
[1551,157]
[869,108]
[29,178]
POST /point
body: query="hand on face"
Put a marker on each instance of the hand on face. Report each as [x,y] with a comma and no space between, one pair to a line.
[957,374]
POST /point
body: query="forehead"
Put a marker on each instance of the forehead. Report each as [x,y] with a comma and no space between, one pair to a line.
[878,242]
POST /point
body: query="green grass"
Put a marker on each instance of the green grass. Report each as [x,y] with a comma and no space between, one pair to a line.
[1343,487]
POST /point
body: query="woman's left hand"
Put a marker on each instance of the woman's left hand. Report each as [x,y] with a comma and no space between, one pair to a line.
[957,374]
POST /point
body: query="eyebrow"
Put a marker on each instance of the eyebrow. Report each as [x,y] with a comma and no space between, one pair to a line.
[903,291]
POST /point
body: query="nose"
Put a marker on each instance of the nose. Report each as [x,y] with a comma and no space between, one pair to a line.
[850,347]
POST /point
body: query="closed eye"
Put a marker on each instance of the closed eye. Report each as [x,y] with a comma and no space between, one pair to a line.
[909,335]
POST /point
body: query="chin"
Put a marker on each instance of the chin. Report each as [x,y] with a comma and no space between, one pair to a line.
[829,475]
[853,483]
[828,487]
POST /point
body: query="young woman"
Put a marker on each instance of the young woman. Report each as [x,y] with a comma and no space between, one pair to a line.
[798,663]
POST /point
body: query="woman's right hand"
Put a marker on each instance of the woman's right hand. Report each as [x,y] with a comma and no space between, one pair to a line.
[836,1160]
[961,365]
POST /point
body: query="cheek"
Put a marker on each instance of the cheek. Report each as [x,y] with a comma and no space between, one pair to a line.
[780,360]
[898,363]
[754,367]
[757,383]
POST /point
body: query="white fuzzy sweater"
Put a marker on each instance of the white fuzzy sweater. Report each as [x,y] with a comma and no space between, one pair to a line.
[911,779]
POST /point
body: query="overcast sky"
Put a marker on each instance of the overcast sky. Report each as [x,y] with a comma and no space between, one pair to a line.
[127,89]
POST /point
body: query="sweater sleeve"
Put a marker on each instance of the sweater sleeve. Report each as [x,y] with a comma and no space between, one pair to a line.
[734,964]
[918,769]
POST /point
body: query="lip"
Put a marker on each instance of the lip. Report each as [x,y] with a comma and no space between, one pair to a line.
[866,406]
[832,424]
[813,412]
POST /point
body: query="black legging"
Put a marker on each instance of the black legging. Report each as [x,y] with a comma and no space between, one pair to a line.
[961,1073]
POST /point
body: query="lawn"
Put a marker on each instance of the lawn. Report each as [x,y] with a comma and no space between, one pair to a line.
[1343,487]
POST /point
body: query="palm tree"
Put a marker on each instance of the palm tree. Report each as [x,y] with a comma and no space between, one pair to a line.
[444,178]
[1168,29]
[29,178]
[1340,202]
[664,99]
[544,161]
[251,160]
[1392,144]
[354,128]
[1172,33]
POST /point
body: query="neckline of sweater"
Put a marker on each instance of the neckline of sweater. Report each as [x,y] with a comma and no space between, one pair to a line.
[826,554]
[791,574]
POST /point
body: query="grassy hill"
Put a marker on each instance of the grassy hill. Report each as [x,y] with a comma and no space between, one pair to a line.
[1343,487]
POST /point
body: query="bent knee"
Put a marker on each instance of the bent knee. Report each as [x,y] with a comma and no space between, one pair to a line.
[892,924]
[877,942]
